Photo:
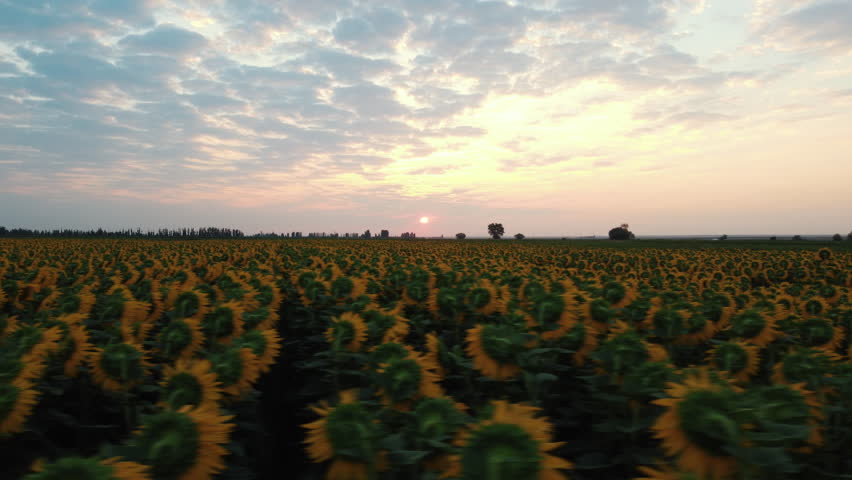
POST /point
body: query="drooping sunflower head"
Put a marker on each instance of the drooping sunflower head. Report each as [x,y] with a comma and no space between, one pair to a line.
[180,338]
[16,404]
[78,468]
[668,323]
[118,366]
[345,432]
[737,358]
[191,303]
[511,442]
[804,365]
[700,425]
[389,352]
[625,348]
[347,332]
[647,379]
[438,419]
[819,332]
[223,323]
[782,416]
[236,369]
[495,349]
[183,444]
[406,379]
[190,383]
[754,327]
[265,344]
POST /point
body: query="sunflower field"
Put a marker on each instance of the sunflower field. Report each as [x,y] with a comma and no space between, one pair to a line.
[392,359]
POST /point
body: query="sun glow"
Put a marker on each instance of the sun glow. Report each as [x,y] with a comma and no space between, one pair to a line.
[424,219]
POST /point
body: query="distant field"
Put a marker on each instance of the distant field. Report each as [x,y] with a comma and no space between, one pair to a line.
[426,359]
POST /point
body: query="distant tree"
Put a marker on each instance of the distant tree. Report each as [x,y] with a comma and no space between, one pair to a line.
[496,230]
[408,236]
[519,236]
[385,234]
[460,236]
[621,233]
[797,237]
[837,237]
[849,237]
[367,234]
[724,237]
[773,237]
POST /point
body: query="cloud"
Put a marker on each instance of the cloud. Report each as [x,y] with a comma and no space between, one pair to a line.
[165,39]
[377,31]
[817,26]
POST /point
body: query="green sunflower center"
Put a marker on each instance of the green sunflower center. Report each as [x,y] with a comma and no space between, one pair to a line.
[575,338]
[548,310]
[622,351]
[73,468]
[255,341]
[668,323]
[341,287]
[500,452]
[169,442]
[502,342]
[748,324]
[816,331]
[175,337]
[187,304]
[122,362]
[228,366]
[731,357]
[706,417]
[219,323]
[437,418]
[388,352]
[343,332]
[351,432]
[418,291]
[183,389]
[401,379]
[600,310]
[479,297]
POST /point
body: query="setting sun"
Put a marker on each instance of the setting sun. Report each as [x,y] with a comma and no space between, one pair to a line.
[424,219]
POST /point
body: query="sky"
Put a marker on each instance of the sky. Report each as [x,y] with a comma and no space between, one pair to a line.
[552,117]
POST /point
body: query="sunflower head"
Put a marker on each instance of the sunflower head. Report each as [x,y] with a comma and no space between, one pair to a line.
[346,431]
[510,443]
[180,338]
[119,366]
[823,254]
[347,332]
[182,444]
[738,359]
[223,323]
[236,369]
[388,352]
[73,468]
[647,379]
[438,419]
[623,350]
[817,332]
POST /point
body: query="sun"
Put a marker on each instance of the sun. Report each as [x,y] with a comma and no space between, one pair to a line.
[424,219]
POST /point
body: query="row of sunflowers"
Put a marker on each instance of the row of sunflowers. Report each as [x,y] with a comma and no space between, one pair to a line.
[477,360]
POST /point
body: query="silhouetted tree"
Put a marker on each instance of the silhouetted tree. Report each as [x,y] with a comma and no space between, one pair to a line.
[519,236]
[385,234]
[460,236]
[837,237]
[367,234]
[496,230]
[773,237]
[724,237]
[797,237]
[621,233]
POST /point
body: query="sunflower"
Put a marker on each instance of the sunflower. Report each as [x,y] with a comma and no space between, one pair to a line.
[625,348]
[347,434]
[118,366]
[223,323]
[407,379]
[434,348]
[181,338]
[511,442]
[79,349]
[187,302]
[16,404]
[438,420]
[190,383]
[495,349]
[236,368]
[34,343]
[739,359]
[804,365]
[187,444]
[754,327]
[698,423]
[265,344]
[348,331]
[819,333]
[89,468]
